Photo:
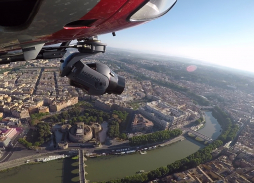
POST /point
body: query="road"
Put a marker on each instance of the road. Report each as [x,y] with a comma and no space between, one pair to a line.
[239,132]
[21,161]
[8,153]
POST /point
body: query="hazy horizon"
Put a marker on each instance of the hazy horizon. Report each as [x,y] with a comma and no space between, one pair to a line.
[218,32]
[186,59]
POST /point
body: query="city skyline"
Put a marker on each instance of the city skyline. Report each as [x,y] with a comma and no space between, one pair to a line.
[216,32]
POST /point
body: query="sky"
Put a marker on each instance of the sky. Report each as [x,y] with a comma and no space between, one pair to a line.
[215,31]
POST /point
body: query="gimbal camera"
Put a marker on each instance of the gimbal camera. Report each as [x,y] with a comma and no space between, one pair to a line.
[93,78]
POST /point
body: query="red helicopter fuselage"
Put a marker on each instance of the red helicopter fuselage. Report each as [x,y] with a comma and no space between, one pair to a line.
[56,21]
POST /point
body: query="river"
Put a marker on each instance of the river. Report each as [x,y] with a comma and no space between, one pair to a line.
[113,167]
[212,127]
[110,167]
[50,172]
[57,171]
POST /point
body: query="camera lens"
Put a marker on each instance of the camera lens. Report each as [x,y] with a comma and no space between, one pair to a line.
[116,85]
[120,85]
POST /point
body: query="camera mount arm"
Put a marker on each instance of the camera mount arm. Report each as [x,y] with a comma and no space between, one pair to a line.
[90,45]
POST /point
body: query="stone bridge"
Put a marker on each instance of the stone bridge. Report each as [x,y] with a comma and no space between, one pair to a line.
[82,173]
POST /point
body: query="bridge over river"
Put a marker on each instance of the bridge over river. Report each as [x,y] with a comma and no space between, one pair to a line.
[82,172]
[197,134]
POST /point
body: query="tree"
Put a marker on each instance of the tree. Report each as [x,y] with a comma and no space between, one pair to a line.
[55,118]
[37,144]
[229,130]
[43,132]
[65,115]
[123,136]
[100,119]
[74,119]
[163,170]
[25,143]
[199,121]
[62,120]
[80,118]
[154,137]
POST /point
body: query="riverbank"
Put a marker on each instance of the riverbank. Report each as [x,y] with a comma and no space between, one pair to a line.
[198,127]
[201,125]
[116,167]
[22,161]
[34,158]
[132,150]
[129,165]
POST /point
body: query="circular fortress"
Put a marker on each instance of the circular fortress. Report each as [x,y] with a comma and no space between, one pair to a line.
[80,133]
